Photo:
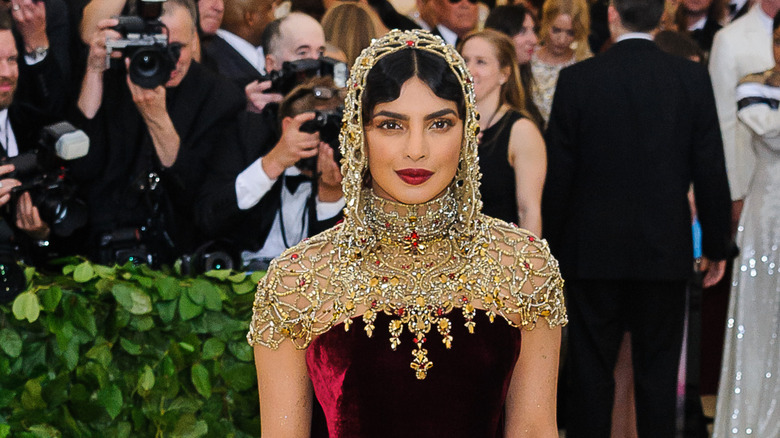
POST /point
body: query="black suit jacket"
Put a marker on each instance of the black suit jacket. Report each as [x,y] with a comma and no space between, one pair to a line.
[218,214]
[121,154]
[629,131]
[223,59]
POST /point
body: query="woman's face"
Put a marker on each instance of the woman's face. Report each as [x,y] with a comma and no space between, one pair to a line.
[413,145]
[481,59]
[561,35]
[525,41]
[776,45]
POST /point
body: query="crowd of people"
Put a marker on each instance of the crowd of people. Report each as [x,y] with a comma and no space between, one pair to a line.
[214,138]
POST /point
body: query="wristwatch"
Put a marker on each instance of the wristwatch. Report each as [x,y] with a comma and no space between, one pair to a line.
[38,52]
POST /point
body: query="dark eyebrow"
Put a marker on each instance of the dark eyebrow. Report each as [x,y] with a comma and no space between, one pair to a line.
[430,116]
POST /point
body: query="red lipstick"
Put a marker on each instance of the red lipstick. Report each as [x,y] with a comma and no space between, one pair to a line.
[414,176]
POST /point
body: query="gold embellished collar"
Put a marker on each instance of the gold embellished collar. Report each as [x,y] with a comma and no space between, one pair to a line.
[410,225]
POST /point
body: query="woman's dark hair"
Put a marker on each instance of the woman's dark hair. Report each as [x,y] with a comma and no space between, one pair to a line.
[776,22]
[508,19]
[384,81]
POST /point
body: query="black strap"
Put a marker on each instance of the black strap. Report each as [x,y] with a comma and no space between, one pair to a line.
[753,100]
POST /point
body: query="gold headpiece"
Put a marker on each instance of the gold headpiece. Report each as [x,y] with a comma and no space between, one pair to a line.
[352,139]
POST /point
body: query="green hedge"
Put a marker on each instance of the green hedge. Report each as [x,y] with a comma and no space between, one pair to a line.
[128,351]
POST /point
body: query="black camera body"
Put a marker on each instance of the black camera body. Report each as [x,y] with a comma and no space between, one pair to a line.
[125,245]
[328,124]
[212,255]
[145,44]
[295,73]
[43,174]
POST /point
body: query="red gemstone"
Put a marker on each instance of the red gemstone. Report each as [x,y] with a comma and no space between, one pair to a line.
[464,299]
[425,339]
[531,238]
[414,244]
[452,276]
[362,240]
[414,234]
[401,311]
[387,224]
[468,80]
[294,257]
[409,43]
[415,340]
[373,304]
[430,307]
[384,279]
[440,311]
[527,266]
[377,262]
[302,282]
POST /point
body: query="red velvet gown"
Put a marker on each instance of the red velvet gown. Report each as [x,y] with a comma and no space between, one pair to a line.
[368,390]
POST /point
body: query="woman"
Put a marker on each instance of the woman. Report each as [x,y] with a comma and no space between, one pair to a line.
[363,23]
[413,258]
[511,153]
[749,386]
[565,29]
[518,23]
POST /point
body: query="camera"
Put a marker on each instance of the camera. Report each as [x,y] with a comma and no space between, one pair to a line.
[43,175]
[328,124]
[145,44]
[294,73]
[125,245]
[213,255]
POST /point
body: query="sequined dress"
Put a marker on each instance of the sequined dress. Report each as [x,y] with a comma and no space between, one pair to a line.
[411,324]
[749,392]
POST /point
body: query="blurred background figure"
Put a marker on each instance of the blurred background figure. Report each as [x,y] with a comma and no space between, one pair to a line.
[363,24]
[518,23]
[511,152]
[701,19]
[455,18]
[564,34]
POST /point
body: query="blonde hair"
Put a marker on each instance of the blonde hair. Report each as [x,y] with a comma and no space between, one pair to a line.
[512,92]
[351,26]
[578,10]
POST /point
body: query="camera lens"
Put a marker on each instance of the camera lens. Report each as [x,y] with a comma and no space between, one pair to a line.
[149,67]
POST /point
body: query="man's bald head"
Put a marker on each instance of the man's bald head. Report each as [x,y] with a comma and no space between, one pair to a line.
[296,36]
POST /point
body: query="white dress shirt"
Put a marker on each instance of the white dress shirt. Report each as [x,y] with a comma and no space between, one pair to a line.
[253,183]
[7,137]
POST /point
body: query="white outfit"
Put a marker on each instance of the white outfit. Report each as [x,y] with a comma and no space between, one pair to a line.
[749,392]
[739,49]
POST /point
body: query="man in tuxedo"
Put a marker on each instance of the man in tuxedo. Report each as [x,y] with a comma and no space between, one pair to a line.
[29,100]
[454,18]
[739,49]
[629,131]
[235,51]
[149,147]
[260,195]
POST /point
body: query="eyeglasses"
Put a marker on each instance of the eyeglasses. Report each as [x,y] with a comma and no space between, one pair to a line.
[473,2]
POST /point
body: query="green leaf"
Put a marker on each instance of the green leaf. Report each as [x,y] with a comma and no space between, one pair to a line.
[189,427]
[238,277]
[132,298]
[85,319]
[105,271]
[197,291]
[51,298]
[10,342]
[186,346]
[185,405]
[101,353]
[83,272]
[257,276]
[243,288]
[166,310]
[219,274]
[130,346]
[44,431]
[188,309]
[168,287]
[213,348]
[110,398]
[240,376]
[5,430]
[29,273]
[26,306]
[31,396]
[200,378]
[213,299]
[242,351]
[146,380]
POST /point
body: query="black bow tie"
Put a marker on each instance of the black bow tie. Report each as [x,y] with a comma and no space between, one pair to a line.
[293,181]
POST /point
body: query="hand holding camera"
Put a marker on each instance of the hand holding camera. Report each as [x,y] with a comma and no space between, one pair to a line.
[293,146]
[258,98]
[30,18]
[7,184]
[96,62]
[329,187]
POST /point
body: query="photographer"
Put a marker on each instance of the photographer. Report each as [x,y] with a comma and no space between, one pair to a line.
[149,146]
[294,37]
[27,104]
[259,197]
